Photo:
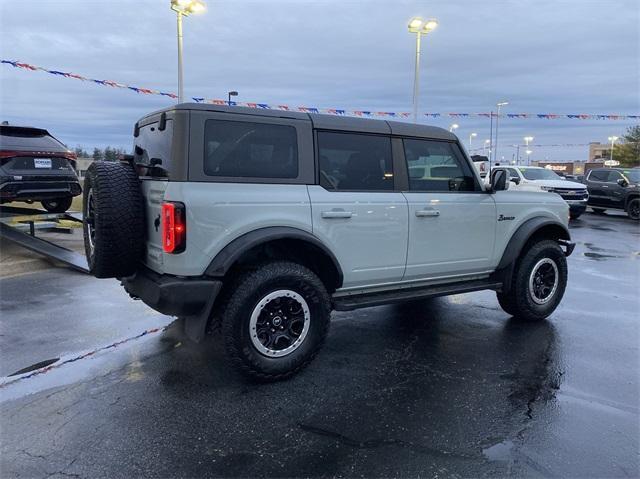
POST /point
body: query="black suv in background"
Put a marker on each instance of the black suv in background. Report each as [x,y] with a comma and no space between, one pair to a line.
[34,166]
[615,188]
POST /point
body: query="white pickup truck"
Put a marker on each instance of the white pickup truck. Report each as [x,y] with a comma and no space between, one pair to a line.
[535,178]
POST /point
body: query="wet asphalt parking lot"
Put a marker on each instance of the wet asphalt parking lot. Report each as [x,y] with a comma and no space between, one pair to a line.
[449,387]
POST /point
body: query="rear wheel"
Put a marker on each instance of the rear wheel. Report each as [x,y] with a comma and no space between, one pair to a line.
[538,284]
[633,209]
[113,223]
[57,205]
[275,318]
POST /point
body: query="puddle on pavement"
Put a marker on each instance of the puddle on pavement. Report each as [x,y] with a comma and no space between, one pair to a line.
[601,257]
[33,367]
[499,452]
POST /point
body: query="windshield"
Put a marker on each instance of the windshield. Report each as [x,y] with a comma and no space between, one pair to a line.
[632,175]
[539,174]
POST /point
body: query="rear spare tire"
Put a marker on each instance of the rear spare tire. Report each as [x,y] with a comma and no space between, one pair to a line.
[113,223]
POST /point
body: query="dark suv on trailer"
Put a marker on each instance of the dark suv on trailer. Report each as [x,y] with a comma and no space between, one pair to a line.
[615,188]
[35,166]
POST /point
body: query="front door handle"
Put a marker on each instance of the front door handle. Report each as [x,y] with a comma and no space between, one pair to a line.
[425,213]
[336,214]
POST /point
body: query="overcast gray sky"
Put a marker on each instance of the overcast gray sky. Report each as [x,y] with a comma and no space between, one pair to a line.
[560,56]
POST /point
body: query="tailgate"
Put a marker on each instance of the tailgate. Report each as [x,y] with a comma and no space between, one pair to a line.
[153,194]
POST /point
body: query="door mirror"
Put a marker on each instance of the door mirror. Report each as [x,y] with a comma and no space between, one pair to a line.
[499,180]
[622,182]
[515,180]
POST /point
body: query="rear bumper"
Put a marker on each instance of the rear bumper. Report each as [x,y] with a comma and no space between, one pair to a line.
[39,190]
[172,295]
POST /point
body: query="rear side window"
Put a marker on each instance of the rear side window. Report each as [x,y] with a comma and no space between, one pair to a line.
[23,138]
[435,166]
[598,175]
[250,150]
[355,162]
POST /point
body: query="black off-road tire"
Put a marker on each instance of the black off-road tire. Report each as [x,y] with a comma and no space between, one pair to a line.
[633,209]
[113,223]
[57,205]
[245,293]
[518,301]
[598,211]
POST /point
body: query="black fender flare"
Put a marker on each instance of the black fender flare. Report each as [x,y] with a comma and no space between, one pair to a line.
[519,239]
[524,232]
[223,261]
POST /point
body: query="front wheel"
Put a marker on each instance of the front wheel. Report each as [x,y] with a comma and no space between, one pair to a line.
[57,205]
[598,211]
[633,209]
[538,283]
[274,319]
[575,216]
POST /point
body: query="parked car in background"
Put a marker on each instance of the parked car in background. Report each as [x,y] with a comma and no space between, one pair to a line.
[615,188]
[532,178]
[35,166]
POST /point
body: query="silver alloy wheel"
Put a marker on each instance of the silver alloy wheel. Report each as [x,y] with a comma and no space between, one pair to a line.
[543,281]
[279,323]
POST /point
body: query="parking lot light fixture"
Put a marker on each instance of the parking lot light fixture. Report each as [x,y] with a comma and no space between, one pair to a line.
[499,105]
[455,126]
[471,137]
[184,8]
[420,27]
[527,140]
[612,139]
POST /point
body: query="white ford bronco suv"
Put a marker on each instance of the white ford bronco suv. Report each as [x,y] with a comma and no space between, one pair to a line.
[261,222]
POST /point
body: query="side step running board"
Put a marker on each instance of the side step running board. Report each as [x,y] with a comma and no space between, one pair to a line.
[71,258]
[348,303]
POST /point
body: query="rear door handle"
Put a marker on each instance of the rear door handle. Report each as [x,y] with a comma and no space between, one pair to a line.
[336,214]
[425,213]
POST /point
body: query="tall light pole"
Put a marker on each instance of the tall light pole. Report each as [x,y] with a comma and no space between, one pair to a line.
[420,27]
[484,147]
[612,139]
[184,8]
[229,95]
[527,140]
[528,152]
[455,126]
[495,149]
[471,137]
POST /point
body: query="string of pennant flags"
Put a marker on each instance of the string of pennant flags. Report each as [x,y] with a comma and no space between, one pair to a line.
[308,109]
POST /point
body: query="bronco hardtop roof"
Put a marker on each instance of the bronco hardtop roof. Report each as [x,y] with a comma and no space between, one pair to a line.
[321,121]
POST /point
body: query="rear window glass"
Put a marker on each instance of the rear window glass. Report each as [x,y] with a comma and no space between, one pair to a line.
[250,150]
[28,139]
[154,144]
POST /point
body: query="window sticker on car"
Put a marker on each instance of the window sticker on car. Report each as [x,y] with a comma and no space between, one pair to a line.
[42,163]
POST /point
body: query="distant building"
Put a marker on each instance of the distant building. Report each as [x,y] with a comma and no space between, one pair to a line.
[599,151]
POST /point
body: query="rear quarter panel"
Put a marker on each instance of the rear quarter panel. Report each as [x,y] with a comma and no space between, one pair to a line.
[218,213]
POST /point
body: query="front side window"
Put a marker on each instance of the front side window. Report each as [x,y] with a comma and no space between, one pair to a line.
[614,176]
[513,173]
[434,166]
[250,150]
[355,162]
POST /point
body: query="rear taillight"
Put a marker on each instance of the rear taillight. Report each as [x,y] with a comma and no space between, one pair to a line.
[174,228]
